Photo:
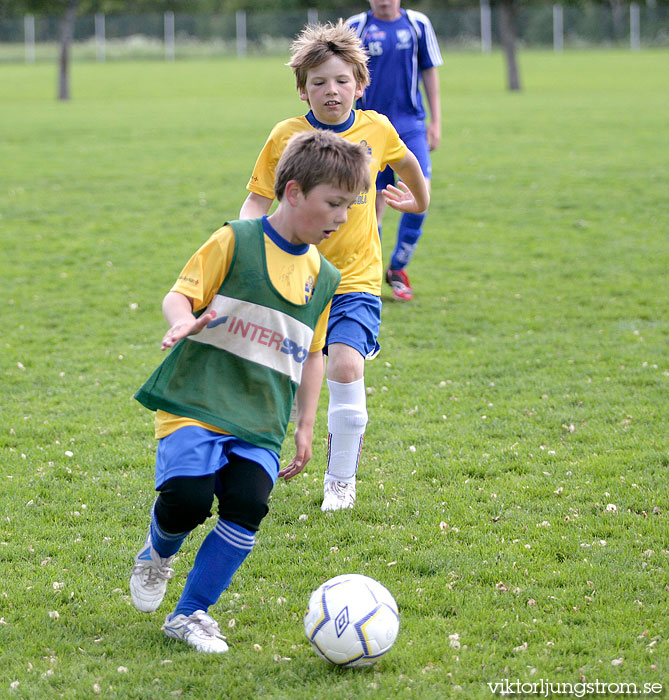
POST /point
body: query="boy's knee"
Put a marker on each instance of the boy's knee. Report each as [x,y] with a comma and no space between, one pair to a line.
[243,509]
[244,494]
[345,364]
[184,503]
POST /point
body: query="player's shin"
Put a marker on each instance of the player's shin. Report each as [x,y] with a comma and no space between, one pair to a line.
[347,420]
[220,555]
[410,230]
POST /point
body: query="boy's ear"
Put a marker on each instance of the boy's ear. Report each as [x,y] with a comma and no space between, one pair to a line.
[302,92]
[292,192]
[359,90]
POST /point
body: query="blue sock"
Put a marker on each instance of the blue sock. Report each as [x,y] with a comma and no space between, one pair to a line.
[221,554]
[408,233]
[165,543]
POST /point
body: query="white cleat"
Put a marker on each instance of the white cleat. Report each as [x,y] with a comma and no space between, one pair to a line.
[199,630]
[148,581]
[338,495]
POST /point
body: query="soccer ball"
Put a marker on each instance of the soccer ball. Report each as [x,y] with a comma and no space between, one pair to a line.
[351,620]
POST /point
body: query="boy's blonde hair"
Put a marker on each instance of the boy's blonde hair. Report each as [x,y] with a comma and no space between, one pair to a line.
[319,157]
[318,42]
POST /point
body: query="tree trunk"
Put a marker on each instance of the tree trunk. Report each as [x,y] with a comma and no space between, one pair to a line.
[66,36]
[617,16]
[508,32]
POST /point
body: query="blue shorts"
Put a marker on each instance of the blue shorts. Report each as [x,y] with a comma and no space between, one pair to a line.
[195,451]
[355,320]
[416,142]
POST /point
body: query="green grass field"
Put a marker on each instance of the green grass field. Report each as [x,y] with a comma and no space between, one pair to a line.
[517,401]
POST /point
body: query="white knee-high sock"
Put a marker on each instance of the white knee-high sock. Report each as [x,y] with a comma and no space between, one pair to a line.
[347,420]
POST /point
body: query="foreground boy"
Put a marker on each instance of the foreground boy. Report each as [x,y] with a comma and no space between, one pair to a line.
[247,318]
[330,68]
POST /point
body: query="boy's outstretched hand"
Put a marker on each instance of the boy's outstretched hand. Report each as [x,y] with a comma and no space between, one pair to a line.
[401,198]
[186,327]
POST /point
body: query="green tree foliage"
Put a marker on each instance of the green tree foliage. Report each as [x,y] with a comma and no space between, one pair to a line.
[506,12]
[57,7]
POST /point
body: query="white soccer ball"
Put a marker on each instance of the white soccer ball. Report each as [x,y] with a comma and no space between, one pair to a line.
[351,620]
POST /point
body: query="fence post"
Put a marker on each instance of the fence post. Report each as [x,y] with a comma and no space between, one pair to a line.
[168,21]
[100,52]
[635,27]
[29,37]
[312,16]
[241,33]
[486,26]
[558,28]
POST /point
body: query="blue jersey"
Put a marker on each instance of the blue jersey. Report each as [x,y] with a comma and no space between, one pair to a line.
[399,50]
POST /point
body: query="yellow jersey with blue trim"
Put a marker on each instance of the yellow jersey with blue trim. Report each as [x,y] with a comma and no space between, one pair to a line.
[355,248]
[292,270]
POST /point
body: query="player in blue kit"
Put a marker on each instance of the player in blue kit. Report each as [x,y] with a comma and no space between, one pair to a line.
[402,49]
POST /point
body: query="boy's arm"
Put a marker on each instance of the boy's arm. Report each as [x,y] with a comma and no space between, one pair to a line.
[411,194]
[255,206]
[431,84]
[178,312]
[261,184]
[307,402]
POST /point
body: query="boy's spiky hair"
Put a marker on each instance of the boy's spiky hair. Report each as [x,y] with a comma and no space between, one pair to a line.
[318,42]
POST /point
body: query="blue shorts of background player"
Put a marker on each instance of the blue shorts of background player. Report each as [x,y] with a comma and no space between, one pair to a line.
[355,320]
[416,142]
[411,225]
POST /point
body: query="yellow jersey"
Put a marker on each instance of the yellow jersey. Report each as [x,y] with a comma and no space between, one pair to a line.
[355,248]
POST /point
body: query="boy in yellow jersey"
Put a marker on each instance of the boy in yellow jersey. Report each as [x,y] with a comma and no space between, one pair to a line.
[330,68]
[248,316]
